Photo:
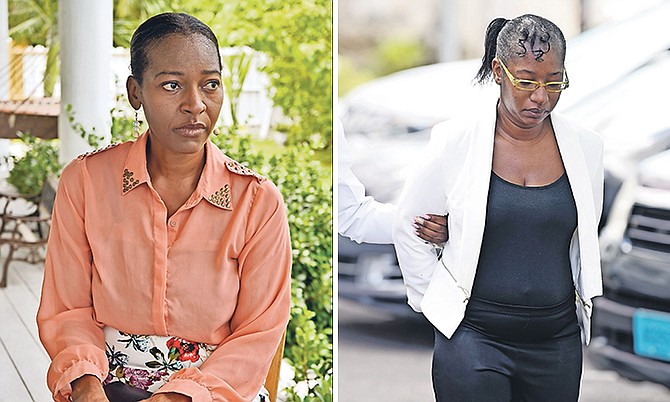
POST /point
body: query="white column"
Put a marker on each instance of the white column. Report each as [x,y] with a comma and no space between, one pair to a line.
[5,42]
[85,28]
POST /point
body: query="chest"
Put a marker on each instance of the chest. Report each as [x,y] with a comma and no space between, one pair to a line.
[534,165]
[174,194]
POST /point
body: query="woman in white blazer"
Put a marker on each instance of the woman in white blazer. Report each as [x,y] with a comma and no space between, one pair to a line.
[522,187]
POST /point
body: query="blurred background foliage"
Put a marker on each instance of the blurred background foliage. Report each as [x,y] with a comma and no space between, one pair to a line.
[295,39]
[390,55]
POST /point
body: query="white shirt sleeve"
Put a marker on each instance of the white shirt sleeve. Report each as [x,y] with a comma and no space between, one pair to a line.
[360,217]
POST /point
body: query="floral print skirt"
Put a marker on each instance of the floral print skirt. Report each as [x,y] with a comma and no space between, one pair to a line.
[148,361]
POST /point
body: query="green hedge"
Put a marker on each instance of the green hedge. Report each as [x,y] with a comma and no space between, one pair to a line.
[300,178]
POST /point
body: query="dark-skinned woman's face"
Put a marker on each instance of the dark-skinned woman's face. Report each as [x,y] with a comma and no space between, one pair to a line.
[181,92]
[529,108]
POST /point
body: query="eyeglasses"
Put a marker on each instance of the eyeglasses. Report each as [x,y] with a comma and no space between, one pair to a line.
[529,85]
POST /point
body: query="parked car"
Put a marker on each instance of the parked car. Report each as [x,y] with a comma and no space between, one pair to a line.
[631,324]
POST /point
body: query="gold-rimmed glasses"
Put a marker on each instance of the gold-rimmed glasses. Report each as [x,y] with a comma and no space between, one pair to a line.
[530,85]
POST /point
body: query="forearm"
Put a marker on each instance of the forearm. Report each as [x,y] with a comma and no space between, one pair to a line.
[88,388]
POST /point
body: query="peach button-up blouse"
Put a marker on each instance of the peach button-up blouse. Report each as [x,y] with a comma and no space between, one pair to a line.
[217,271]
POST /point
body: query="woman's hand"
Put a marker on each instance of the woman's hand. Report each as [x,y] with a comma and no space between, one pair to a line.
[88,389]
[432,228]
[168,397]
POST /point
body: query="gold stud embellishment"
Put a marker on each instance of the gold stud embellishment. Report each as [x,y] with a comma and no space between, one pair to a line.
[129,182]
[97,151]
[221,197]
[240,169]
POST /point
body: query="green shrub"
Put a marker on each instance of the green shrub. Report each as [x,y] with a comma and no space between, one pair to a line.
[309,344]
[30,170]
[296,37]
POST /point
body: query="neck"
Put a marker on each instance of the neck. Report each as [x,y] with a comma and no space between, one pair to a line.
[163,164]
[509,130]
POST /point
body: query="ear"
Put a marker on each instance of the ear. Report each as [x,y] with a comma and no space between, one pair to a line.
[134,92]
[496,70]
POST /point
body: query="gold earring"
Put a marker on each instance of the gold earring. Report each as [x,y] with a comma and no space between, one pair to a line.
[216,131]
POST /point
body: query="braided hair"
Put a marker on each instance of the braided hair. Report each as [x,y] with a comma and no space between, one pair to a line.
[525,36]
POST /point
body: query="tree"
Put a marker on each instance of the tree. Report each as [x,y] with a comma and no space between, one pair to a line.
[35,22]
[296,35]
[129,14]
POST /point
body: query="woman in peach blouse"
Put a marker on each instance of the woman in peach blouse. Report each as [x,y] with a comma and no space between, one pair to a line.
[168,264]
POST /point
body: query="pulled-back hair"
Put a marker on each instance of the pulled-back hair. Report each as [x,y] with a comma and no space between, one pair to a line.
[525,36]
[162,25]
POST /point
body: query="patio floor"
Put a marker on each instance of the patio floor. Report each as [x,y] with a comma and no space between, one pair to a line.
[23,360]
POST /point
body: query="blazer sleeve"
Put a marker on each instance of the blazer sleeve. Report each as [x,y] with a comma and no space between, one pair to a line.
[235,371]
[66,319]
[424,192]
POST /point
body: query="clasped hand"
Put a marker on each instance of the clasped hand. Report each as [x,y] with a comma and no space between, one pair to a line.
[432,228]
[89,389]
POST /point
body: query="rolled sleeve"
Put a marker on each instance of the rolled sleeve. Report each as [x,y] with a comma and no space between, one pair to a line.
[65,318]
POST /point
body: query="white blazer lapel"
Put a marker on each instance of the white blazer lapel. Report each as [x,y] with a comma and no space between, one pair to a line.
[578,173]
[478,168]
[576,168]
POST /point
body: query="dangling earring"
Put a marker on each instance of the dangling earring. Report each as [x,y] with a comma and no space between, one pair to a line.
[216,131]
[136,125]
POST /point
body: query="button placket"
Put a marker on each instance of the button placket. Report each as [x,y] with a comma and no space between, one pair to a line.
[172,229]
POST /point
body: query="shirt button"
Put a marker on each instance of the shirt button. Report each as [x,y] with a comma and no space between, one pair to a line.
[173,223]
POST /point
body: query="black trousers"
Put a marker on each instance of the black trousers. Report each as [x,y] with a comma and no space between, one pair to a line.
[120,392]
[473,366]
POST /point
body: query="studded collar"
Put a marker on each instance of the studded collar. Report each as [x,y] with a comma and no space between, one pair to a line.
[215,185]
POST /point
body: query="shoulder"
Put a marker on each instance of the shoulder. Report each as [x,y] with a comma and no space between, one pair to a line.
[106,151]
[457,133]
[101,160]
[244,180]
[262,188]
[590,140]
[450,140]
[95,166]
[239,169]
[101,155]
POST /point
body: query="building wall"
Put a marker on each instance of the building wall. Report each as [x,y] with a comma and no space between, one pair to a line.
[474,17]
[365,24]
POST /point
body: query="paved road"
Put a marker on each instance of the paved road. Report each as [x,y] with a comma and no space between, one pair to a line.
[386,358]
